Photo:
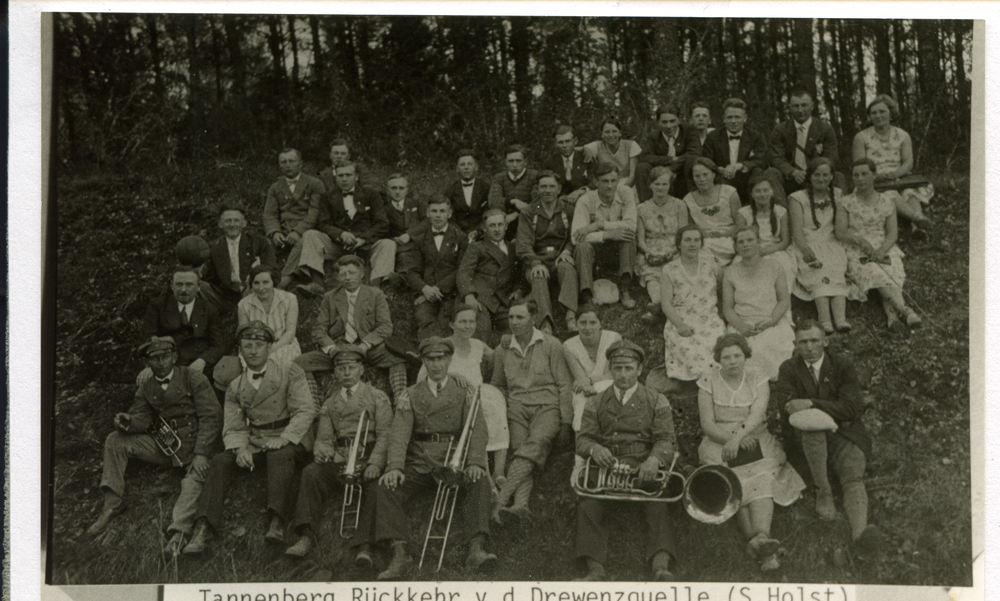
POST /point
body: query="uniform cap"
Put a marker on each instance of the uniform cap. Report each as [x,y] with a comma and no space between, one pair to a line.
[625,350]
[255,330]
[157,345]
[435,346]
[347,354]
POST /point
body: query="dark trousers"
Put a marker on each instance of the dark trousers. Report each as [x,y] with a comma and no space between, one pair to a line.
[390,521]
[587,258]
[592,533]
[318,482]
[490,325]
[280,474]
[433,317]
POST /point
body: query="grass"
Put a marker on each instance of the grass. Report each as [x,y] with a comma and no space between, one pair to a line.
[115,246]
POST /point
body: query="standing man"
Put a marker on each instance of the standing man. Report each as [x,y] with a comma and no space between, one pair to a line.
[568,163]
[487,278]
[338,426]
[433,273]
[291,209]
[268,414]
[228,268]
[419,438]
[817,386]
[796,142]
[357,315]
[513,190]
[627,423]
[605,218]
[469,195]
[741,153]
[665,146]
[544,247]
[530,370]
[181,399]
[351,220]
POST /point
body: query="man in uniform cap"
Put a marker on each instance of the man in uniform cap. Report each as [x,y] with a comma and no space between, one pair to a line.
[435,414]
[338,427]
[269,411]
[184,399]
[632,424]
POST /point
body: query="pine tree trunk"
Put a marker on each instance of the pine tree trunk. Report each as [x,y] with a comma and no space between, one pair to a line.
[803,32]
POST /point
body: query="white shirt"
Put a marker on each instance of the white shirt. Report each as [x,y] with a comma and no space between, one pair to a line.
[536,336]
[353,389]
[433,385]
[291,182]
[817,366]
[467,191]
[187,309]
[439,239]
[517,177]
[568,166]
[624,397]
[802,133]
[349,204]
[234,258]
[165,382]
[399,204]
[734,147]
[255,382]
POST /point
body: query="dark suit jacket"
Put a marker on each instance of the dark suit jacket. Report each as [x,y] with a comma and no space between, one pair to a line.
[656,150]
[433,267]
[201,339]
[371,317]
[365,178]
[469,218]
[503,190]
[579,172]
[370,222]
[487,272]
[288,212]
[752,151]
[821,141]
[252,248]
[400,223]
[838,394]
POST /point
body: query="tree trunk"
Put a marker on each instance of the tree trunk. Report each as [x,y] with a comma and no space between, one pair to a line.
[232,26]
[319,64]
[883,60]
[154,52]
[274,42]
[194,85]
[293,39]
[831,107]
[803,32]
[216,60]
[520,52]
[961,83]
[898,51]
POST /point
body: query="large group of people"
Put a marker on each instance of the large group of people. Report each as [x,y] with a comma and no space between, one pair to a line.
[720,227]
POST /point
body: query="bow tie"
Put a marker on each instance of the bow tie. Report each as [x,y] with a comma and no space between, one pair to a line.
[466,184]
[259,375]
[734,136]
[441,233]
[163,381]
[351,193]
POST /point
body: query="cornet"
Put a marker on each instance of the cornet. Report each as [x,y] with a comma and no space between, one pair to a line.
[351,477]
[166,438]
[621,482]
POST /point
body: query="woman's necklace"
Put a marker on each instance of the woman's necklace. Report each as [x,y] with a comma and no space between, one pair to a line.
[884,138]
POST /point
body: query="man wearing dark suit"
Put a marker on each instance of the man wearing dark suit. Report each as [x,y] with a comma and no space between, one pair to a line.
[290,209]
[512,191]
[568,164]
[351,219]
[183,398]
[816,380]
[340,151]
[356,315]
[228,267]
[741,153]
[487,278]
[698,127]
[191,322]
[406,218]
[469,195]
[434,271]
[796,142]
[665,146]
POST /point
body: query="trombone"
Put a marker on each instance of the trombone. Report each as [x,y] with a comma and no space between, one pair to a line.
[351,477]
[449,476]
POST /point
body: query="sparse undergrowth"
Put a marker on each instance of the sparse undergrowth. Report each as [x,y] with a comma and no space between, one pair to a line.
[115,245]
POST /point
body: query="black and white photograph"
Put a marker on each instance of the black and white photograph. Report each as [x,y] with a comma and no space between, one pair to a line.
[350,298]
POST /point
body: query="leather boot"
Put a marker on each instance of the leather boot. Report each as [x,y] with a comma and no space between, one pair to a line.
[276,532]
[661,567]
[301,547]
[400,565]
[99,526]
[174,545]
[363,559]
[478,558]
[199,540]
[595,572]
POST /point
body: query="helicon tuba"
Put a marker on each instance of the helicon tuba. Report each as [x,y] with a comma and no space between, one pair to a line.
[621,482]
[166,438]
[712,494]
[350,512]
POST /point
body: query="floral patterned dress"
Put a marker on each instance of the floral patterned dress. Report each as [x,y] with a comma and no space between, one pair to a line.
[660,225]
[715,216]
[887,154]
[868,222]
[829,279]
[696,299]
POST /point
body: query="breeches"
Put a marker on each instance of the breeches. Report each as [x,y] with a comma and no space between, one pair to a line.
[533,429]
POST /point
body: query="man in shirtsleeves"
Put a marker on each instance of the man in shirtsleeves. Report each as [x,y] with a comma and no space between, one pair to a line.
[633,424]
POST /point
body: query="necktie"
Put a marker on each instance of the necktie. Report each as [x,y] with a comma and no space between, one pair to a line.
[258,375]
[185,318]
[568,164]
[800,143]
[815,374]
[670,145]
[468,183]
[164,383]
[234,260]
[348,394]
[440,385]
[350,334]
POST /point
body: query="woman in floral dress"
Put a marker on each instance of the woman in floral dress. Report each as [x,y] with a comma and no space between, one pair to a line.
[713,208]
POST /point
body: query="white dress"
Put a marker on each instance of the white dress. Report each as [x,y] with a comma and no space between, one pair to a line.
[770,236]
[253,310]
[596,370]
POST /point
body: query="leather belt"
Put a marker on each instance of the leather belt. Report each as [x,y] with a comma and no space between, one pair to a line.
[281,423]
[545,249]
[182,422]
[434,436]
[629,448]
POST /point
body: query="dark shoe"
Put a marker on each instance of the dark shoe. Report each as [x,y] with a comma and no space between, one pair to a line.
[399,567]
[595,573]
[364,560]
[517,514]
[99,526]
[770,563]
[870,542]
[827,327]
[479,559]
[824,505]
[301,547]
[844,327]
[627,301]
[276,532]
[174,545]
[761,546]
[199,540]
[312,289]
[912,319]
[896,326]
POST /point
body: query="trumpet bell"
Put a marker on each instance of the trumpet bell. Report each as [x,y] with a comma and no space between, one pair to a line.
[712,494]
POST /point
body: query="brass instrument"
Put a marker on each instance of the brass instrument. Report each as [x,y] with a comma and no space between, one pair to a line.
[449,477]
[166,438]
[712,494]
[351,477]
[621,482]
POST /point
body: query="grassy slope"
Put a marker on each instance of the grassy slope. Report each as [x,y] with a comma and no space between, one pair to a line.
[116,235]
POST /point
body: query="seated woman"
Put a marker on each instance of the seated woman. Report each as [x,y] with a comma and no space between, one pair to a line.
[713,208]
[732,407]
[276,308]
[866,225]
[891,149]
[623,154]
[771,221]
[656,226]
[821,258]
[756,303]
[690,296]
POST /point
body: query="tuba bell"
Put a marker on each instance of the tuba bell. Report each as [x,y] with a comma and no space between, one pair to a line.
[351,477]
[166,438]
[621,482]
[712,494]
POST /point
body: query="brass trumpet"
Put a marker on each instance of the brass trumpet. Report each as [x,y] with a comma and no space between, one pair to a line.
[621,482]
[166,438]
[449,477]
[351,477]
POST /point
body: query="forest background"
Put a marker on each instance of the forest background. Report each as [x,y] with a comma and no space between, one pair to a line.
[161,119]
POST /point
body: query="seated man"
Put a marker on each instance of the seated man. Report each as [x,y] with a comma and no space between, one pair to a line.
[543,245]
[338,426]
[796,142]
[665,146]
[435,415]
[815,379]
[351,220]
[406,218]
[433,272]
[741,153]
[632,424]
[607,218]
[290,209]
[353,314]
[183,398]
[269,412]
[191,322]
[569,165]
[487,277]
[513,190]
[469,194]
[340,151]
[530,369]
[228,268]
